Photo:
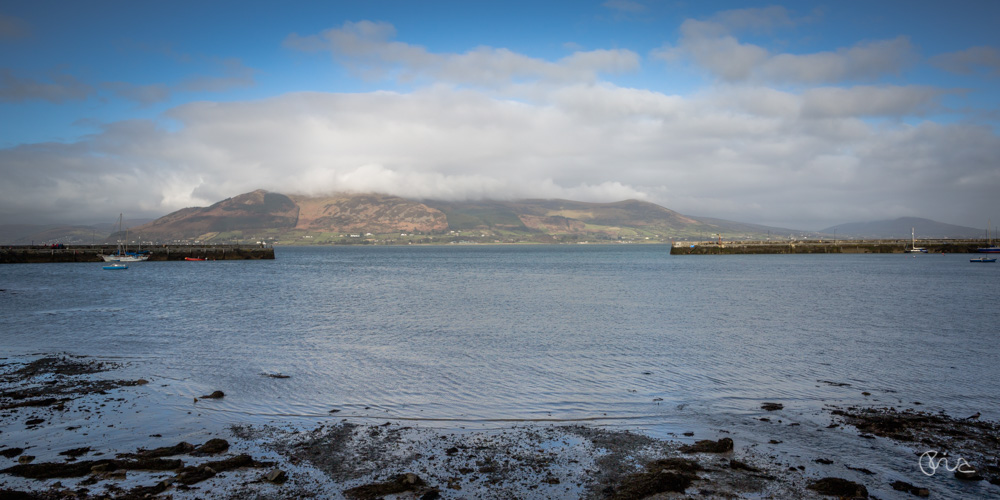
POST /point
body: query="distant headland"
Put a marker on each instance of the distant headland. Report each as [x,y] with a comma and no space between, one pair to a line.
[263,217]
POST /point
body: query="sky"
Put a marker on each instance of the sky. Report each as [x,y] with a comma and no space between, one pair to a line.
[801,115]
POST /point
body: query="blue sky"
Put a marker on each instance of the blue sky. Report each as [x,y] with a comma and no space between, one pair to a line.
[801,114]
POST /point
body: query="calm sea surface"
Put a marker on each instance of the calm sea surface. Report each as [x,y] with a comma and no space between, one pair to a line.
[479,335]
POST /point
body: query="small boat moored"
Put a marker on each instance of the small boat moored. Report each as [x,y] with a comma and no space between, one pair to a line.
[990,248]
[121,253]
[913,244]
[983,259]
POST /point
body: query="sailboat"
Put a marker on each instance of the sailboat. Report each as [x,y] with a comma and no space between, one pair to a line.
[121,252]
[913,243]
[991,248]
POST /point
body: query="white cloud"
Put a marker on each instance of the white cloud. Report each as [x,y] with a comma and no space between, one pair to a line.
[864,61]
[868,101]
[234,75]
[712,154]
[494,123]
[723,55]
[760,101]
[713,45]
[758,20]
[143,94]
[57,88]
[367,47]
[970,61]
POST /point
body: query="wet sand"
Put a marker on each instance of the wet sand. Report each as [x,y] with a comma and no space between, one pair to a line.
[57,413]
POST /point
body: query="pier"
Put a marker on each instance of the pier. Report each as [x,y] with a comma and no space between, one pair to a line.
[821,246]
[39,254]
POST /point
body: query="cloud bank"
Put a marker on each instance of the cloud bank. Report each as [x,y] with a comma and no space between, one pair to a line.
[713,46]
[596,143]
[369,49]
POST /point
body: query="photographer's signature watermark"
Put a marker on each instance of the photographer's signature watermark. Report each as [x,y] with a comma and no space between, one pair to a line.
[930,462]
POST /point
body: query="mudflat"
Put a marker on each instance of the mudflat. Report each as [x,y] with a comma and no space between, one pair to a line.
[74,397]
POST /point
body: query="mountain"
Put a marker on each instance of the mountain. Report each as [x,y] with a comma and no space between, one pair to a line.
[27,234]
[568,219]
[900,229]
[374,218]
[257,210]
[756,229]
[372,213]
[562,215]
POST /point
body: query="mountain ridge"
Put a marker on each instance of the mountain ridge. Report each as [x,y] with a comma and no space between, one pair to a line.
[266,216]
[902,227]
[371,217]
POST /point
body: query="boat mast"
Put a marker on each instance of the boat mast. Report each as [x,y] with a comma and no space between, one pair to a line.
[121,225]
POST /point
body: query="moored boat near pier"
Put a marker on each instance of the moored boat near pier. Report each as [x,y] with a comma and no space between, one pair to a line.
[121,253]
[990,248]
[36,254]
[913,243]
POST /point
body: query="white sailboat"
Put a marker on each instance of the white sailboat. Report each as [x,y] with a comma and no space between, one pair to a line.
[121,253]
[990,248]
[913,243]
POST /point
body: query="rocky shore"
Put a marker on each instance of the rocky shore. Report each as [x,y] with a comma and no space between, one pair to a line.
[340,458]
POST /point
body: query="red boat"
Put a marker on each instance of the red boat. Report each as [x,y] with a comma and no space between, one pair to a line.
[193,258]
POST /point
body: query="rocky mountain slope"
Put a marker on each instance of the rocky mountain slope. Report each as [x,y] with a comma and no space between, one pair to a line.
[375,218]
[342,218]
[366,213]
[246,212]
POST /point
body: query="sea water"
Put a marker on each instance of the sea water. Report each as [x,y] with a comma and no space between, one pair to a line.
[471,335]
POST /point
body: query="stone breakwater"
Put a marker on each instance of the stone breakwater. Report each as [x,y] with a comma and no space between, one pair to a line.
[36,254]
[821,246]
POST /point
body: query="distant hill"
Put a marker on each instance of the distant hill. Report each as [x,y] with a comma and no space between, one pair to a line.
[900,229]
[755,229]
[258,210]
[375,218]
[564,216]
[27,234]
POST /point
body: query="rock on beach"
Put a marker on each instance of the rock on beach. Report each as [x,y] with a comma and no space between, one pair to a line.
[838,487]
[708,446]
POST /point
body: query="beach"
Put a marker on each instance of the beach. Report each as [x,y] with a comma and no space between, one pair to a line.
[60,414]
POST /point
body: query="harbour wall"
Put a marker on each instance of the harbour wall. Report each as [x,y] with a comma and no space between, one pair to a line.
[821,246]
[37,254]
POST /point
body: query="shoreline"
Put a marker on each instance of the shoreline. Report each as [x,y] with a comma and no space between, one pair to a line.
[62,411]
[41,254]
[50,254]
